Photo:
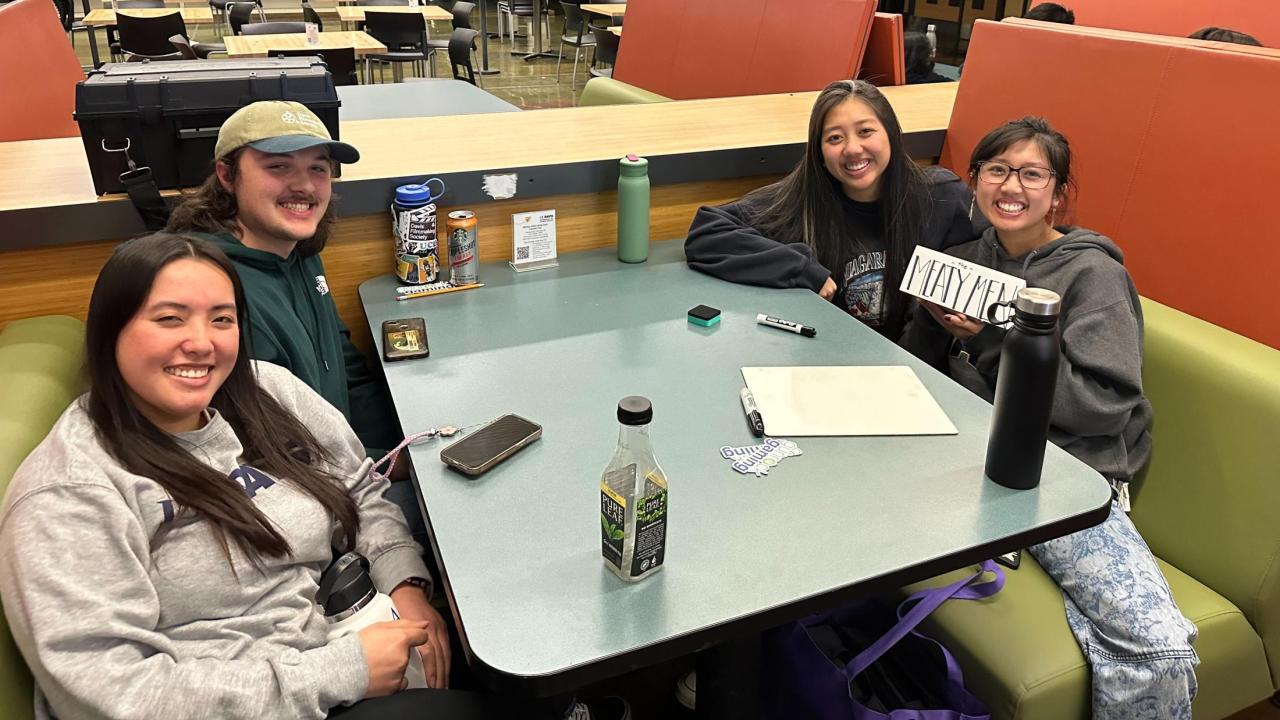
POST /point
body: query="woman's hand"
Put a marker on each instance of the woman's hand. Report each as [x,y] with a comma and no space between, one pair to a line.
[413,605]
[386,647]
[828,289]
[961,326]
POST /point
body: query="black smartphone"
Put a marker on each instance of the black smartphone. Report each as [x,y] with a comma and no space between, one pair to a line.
[491,444]
[404,339]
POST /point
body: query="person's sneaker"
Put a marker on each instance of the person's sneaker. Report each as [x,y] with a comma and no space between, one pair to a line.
[687,690]
[606,708]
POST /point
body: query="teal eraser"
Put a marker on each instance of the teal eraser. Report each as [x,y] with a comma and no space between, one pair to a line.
[704,316]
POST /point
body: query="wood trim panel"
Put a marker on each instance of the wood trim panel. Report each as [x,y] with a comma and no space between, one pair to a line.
[58,280]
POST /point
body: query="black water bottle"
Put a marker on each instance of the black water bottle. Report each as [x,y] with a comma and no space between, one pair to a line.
[1027,379]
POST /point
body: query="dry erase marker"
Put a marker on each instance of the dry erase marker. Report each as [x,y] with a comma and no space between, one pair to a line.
[753,413]
[787,325]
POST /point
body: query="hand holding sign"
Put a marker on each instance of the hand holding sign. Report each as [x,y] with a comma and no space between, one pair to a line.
[959,285]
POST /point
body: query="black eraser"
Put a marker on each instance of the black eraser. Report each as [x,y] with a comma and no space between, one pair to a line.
[704,315]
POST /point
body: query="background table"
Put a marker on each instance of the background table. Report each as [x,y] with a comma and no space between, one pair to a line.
[191,16]
[355,13]
[520,546]
[610,9]
[261,45]
[427,97]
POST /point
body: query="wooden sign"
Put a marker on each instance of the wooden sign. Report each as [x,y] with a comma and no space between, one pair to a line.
[959,285]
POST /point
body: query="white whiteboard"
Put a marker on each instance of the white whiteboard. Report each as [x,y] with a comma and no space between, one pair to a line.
[845,400]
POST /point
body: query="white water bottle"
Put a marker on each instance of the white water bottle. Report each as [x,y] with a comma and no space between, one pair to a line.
[350,603]
[931,33]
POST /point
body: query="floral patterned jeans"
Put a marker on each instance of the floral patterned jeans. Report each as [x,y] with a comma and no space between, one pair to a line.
[1123,615]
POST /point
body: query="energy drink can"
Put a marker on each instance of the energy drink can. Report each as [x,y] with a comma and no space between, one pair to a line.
[464,252]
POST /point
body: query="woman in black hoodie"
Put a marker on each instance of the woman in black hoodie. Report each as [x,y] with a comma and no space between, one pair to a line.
[844,222]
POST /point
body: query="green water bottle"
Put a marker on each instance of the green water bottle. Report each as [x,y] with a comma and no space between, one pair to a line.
[633,210]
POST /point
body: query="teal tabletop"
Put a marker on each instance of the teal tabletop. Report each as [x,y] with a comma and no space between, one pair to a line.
[520,545]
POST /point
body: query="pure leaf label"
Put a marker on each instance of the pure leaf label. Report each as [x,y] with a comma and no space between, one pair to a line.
[651,526]
[615,486]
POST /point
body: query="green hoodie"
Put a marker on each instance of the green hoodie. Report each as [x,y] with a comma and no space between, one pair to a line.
[294,323]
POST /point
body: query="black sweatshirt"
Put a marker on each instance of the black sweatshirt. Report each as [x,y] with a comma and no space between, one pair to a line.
[722,242]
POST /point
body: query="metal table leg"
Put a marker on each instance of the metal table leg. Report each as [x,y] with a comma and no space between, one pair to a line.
[484,68]
[538,52]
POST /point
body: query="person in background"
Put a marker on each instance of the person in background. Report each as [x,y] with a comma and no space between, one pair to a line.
[1227,35]
[268,206]
[918,61]
[845,221]
[1051,12]
[1118,604]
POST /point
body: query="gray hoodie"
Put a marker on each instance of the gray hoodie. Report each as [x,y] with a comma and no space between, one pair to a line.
[1099,413]
[116,626]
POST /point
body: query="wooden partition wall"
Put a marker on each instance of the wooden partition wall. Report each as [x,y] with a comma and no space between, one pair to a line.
[1174,153]
[727,48]
[38,73]
[1179,18]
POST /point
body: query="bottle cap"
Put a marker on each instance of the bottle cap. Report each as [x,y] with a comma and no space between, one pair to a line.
[1038,301]
[634,165]
[345,584]
[413,194]
[635,410]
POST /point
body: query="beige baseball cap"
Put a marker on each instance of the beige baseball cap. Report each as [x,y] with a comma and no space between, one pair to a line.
[279,126]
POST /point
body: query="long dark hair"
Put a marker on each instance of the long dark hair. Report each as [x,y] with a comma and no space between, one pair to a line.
[213,209]
[274,440]
[1052,143]
[805,206]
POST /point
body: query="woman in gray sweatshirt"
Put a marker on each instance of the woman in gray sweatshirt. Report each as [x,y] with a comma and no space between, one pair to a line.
[1118,603]
[160,550]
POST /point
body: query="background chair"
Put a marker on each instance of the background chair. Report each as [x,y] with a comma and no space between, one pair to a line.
[310,15]
[606,51]
[341,62]
[194,50]
[113,34]
[148,37]
[404,34]
[461,43]
[513,9]
[461,19]
[239,13]
[574,27]
[273,28]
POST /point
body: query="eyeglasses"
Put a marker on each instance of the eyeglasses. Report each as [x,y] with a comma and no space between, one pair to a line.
[1031,177]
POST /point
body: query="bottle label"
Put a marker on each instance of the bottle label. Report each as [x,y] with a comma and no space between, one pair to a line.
[651,526]
[615,486]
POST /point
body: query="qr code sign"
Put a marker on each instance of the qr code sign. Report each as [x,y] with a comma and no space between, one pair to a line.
[522,253]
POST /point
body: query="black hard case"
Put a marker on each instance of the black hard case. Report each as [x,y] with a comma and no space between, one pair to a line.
[169,112]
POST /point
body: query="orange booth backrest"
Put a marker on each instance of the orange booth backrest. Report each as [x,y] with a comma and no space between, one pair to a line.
[1174,153]
[727,48]
[884,62]
[1179,18]
[38,71]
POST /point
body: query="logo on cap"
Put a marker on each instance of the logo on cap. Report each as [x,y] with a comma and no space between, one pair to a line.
[291,118]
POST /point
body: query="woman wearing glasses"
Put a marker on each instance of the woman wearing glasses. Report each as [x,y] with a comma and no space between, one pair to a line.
[1118,604]
[845,221]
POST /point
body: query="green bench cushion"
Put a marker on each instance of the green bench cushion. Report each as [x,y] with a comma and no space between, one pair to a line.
[1020,657]
[41,361]
[607,91]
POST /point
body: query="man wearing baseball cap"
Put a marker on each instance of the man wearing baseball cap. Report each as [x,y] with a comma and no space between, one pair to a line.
[267,205]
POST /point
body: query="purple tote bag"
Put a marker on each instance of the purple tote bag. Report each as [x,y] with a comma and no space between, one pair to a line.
[823,688]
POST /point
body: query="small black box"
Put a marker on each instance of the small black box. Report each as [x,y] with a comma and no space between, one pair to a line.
[169,112]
